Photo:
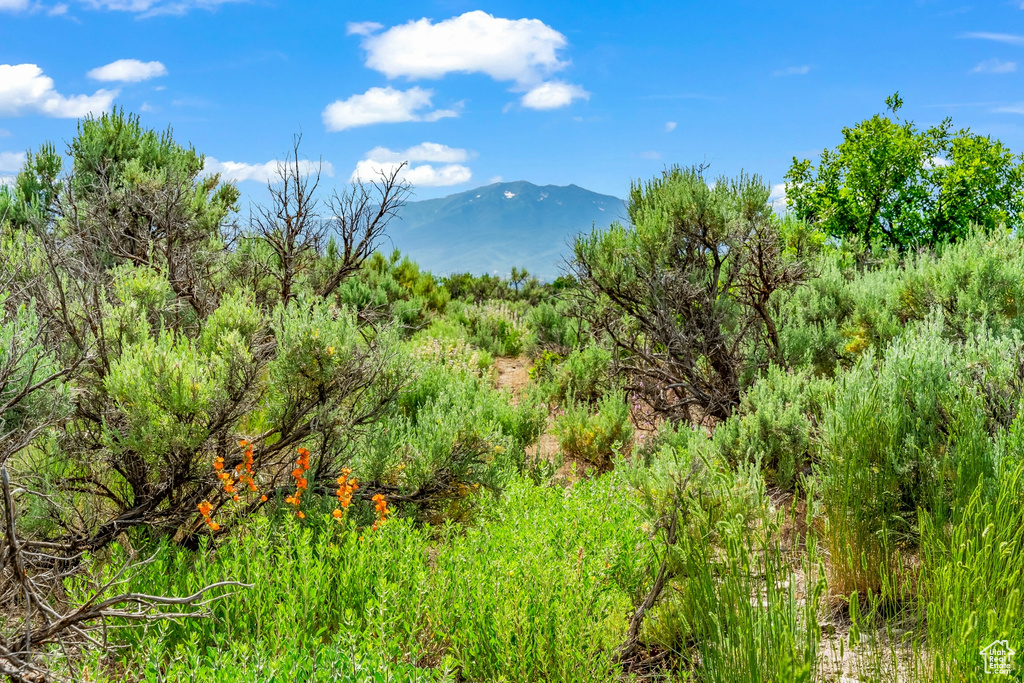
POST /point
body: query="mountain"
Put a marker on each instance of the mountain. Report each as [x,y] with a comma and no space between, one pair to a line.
[492,228]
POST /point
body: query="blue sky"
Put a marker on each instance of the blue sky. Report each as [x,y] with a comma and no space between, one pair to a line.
[595,94]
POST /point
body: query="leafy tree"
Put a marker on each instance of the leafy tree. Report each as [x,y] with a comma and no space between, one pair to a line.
[892,183]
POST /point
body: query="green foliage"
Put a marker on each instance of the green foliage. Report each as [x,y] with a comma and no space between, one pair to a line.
[688,291]
[395,288]
[775,426]
[495,327]
[891,183]
[595,438]
[34,193]
[24,362]
[538,590]
[844,311]
[906,433]
[726,549]
[971,583]
[883,398]
[452,432]
[584,375]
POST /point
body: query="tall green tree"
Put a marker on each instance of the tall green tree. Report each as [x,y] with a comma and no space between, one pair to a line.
[890,182]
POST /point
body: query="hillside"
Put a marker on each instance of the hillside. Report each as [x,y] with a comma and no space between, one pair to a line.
[492,228]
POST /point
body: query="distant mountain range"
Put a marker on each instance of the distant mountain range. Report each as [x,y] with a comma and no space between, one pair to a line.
[493,228]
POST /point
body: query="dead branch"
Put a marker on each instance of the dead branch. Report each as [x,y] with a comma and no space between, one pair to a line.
[41,630]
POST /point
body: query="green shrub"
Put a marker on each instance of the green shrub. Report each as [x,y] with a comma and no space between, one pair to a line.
[595,438]
[775,425]
[730,610]
[553,326]
[496,327]
[909,432]
[584,375]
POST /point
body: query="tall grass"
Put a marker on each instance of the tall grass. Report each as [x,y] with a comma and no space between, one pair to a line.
[538,590]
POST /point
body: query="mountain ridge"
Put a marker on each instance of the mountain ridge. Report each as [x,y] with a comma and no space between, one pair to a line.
[491,228]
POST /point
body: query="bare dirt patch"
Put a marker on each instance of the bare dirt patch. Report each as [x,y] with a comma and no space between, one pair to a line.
[512,374]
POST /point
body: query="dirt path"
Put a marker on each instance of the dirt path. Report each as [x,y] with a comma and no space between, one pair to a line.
[513,375]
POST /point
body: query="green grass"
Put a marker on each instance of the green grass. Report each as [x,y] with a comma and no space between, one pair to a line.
[538,590]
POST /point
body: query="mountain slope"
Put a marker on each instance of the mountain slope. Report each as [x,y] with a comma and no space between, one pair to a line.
[492,228]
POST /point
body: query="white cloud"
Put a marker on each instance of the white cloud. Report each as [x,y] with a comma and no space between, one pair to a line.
[146,107]
[995,66]
[524,51]
[425,151]
[11,161]
[509,195]
[7,180]
[24,89]
[553,94]
[383,105]
[793,71]
[777,198]
[996,37]
[149,8]
[236,171]
[57,10]
[128,71]
[13,5]
[495,179]
[937,162]
[362,28]
[670,126]
[424,175]
[381,159]
[1010,109]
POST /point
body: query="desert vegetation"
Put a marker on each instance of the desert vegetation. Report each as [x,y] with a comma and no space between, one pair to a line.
[743,446]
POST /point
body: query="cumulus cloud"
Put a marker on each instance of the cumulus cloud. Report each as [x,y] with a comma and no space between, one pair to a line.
[995,66]
[25,89]
[381,159]
[128,71]
[11,161]
[7,180]
[13,5]
[670,126]
[237,171]
[553,94]
[425,151]
[520,50]
[362,28]
[383,105]
[793,71]
[1009,38]
[525,52]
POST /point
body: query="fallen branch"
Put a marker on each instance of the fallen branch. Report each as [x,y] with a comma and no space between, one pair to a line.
[31,580]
